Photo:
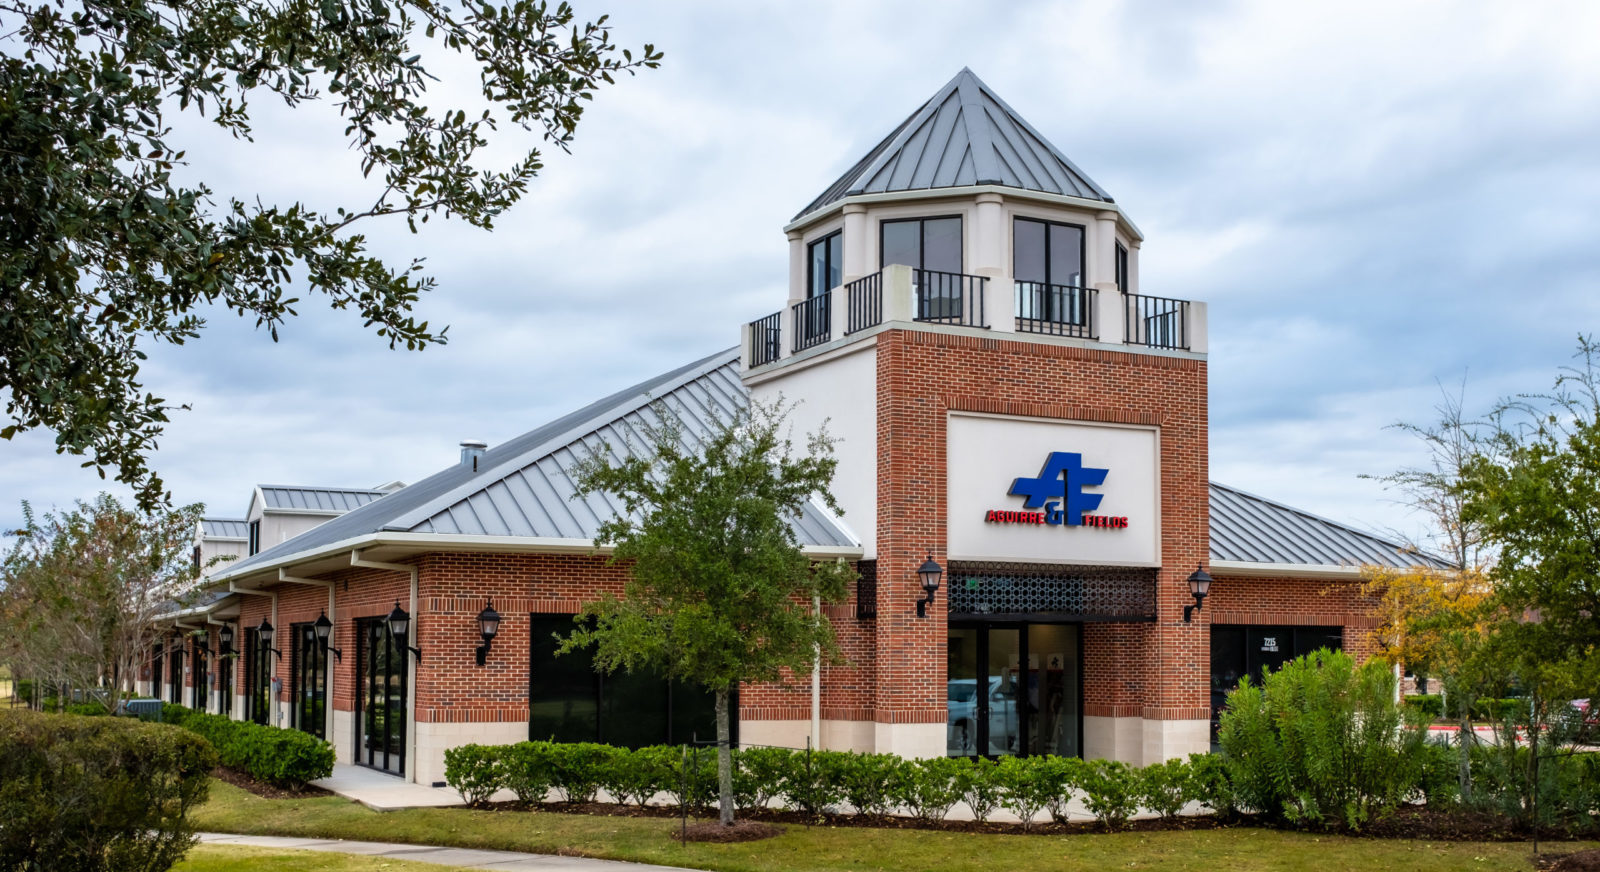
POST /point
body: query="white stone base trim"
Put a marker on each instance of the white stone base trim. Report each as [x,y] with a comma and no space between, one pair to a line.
[1107,738]
[433,740]
[836,735]
[1164,740]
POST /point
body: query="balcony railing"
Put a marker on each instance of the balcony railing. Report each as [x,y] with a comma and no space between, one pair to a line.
[766,339]
[1057,310]
[812,321]
[1157,322]
[864,296]
[948,298]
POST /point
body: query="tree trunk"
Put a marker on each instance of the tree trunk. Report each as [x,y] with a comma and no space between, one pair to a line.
[724,760]
[1466,740]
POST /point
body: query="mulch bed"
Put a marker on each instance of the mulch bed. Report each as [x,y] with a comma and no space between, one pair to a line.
[1409,822]
[1582,861]
[740,831]
[262,788]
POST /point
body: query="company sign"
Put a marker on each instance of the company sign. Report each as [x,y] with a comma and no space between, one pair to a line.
[1093,500]
[1059,491]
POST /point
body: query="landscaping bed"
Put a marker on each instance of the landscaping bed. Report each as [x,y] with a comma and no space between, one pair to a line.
[265,789]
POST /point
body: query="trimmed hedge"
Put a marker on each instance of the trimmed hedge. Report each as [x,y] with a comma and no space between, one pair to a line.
[1429,705]
[821,781]
[89,794]
[286,758]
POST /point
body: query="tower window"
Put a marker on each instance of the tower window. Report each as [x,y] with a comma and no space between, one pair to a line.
[824,264]
[922,243]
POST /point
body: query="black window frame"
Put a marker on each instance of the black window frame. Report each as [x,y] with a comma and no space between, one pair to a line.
[308,664]
[255,537]
[922,252]
[1300,638]
[540,621]
[199,676]
[175,672]
[811,278]
[1122,268]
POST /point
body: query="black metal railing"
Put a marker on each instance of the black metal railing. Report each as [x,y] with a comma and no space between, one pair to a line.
[811,321]
[1059,310]
[866,590]
[1159,322]
[864,296]
[766,339]
[948,298]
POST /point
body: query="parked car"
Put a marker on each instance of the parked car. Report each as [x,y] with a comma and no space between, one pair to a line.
[962,705]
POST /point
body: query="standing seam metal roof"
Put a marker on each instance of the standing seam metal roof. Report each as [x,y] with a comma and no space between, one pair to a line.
[316,499]
[964,135]
[224,528]
[524,486]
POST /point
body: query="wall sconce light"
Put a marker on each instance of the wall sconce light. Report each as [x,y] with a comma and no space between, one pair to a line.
[930,573]
[265,633]
[400,627]
[1199,586]
[225,639]
[324,630]
[488,626]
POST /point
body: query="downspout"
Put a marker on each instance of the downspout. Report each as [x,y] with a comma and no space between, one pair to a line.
[327,690]
[411,674]
[232,588]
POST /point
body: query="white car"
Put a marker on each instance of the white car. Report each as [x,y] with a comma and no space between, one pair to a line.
[962,705]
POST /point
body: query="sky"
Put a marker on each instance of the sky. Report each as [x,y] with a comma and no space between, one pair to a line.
[1377,200]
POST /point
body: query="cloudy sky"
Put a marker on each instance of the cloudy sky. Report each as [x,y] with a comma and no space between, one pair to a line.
[1373,197]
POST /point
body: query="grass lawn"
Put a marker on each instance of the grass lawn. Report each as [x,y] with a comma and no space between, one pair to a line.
[647,840]
[240,858]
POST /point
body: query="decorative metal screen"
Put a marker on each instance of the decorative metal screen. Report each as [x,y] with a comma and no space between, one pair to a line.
[1086,593]
[867,590]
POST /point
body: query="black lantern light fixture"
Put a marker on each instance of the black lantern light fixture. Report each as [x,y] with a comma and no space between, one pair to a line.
[264,635]
[488,626]
[930,573]
[400,628]
[1199,586]
[200,642]
[324,630]
[225,639]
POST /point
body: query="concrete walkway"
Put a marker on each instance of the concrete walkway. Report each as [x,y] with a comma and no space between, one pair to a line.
[463,858]
[382,792]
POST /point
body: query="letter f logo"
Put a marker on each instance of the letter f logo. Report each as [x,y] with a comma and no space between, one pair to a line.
[1063,477]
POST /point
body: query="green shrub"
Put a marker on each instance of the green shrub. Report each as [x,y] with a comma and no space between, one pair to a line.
[1320,741]
[637,776]
[982,789]
[86,709]
[758,776]
[475,771]
[1165,788]
[693,782]
[1210,784]
[1060,776]
[814,782]
[1024,789]
[577,768]
[1510,710]
[1440,779]
[287,758]
[1427,705]
[92,794]
[1111,791]
[1568,787]
[931,787]
[872,782]
[24,689]
[525,769]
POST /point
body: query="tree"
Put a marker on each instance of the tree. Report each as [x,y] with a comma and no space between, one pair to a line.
[719,591]
[80,591]
[103,250]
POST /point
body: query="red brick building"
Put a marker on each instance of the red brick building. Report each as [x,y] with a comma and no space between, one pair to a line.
[965,314]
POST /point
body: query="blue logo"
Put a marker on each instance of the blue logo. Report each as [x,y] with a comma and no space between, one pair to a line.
[1063,478]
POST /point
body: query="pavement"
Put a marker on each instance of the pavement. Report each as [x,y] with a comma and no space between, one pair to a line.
[463,858]
[382,792]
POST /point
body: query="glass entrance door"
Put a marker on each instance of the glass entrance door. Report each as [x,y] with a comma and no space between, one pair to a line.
[309,681]
[1014,689]
[381,698]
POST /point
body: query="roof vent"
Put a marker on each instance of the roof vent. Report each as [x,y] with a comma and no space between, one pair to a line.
[472,451]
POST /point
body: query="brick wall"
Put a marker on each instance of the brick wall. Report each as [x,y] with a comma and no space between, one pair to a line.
[1163,668]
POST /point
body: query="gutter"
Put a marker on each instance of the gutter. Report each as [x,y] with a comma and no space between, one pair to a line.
[411,674]
[1247,569]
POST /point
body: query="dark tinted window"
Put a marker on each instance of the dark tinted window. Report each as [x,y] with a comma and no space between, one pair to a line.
[923,243]
[1047,252]
[825,266]
[563,700]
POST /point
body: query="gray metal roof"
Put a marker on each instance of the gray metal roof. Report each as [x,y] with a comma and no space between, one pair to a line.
[523,487]
[316,499]
[1251,529]
[224,528]
[964,135]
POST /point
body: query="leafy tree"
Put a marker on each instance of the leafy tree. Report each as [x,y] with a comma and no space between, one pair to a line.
[80,589]
[103,251]
[719,591]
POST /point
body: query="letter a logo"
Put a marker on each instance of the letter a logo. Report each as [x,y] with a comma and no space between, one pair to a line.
[1063,477]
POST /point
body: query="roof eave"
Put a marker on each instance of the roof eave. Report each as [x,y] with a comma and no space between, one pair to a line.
[827,211]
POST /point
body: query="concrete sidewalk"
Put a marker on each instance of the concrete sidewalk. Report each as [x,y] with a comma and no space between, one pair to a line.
[383,792]
[463,858]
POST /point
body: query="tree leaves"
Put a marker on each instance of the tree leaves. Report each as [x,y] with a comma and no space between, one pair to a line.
[102,252]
